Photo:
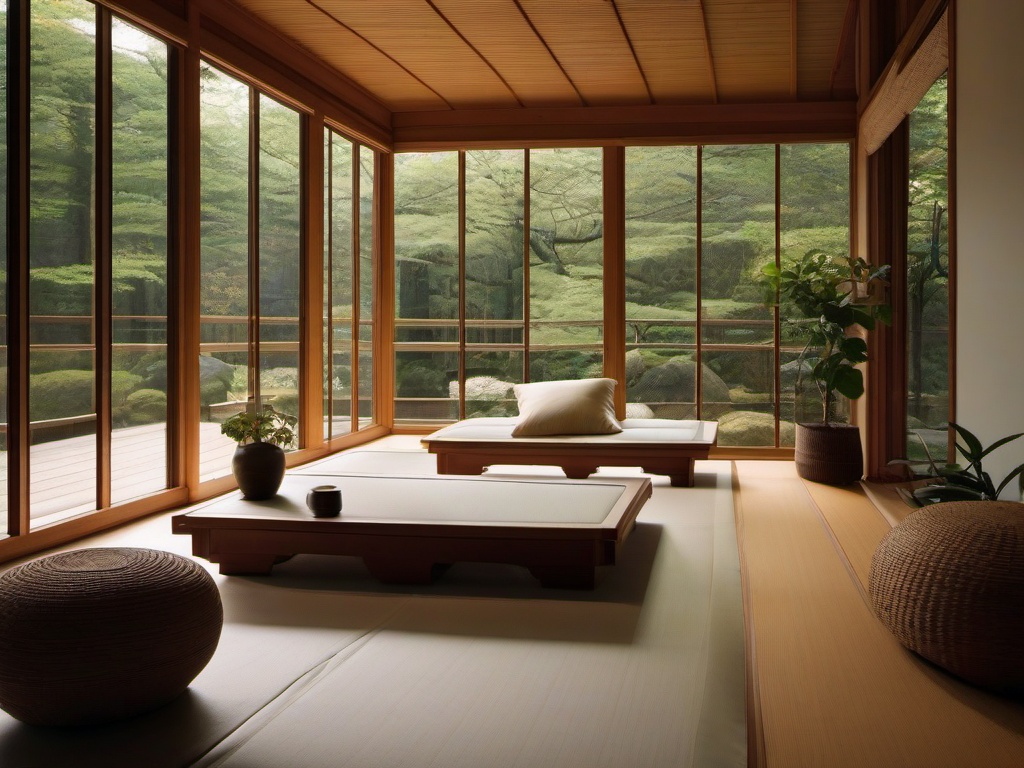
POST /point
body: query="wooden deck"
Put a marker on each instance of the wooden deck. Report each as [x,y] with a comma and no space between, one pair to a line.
[64,471]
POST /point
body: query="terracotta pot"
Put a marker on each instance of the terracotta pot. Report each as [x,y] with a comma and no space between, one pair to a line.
[258,469]
[829,453]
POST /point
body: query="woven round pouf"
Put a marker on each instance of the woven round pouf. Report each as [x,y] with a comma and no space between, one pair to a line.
[948,582]
[96,635]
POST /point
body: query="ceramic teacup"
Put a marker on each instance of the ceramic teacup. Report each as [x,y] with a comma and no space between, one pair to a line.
[324,500]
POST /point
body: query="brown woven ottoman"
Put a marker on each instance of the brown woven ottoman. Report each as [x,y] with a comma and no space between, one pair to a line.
[95,635]
[948,582]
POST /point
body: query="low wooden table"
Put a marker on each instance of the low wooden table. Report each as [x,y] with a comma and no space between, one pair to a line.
[404,528]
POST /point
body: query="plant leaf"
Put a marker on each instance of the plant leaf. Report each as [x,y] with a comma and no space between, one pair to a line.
[849,382]
[1006,481]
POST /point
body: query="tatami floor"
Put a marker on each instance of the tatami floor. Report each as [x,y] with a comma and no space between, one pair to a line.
[827,685]
[830,686]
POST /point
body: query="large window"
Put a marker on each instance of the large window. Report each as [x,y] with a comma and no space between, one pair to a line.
[700,224]
[93,235]
[250,259]
[927,299]
[499,277]
[348,285]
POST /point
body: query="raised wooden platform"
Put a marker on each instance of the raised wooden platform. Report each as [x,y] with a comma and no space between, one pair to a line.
[658,446]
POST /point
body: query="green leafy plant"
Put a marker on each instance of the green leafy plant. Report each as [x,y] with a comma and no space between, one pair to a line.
[266,425]
[826,292]
[956,481]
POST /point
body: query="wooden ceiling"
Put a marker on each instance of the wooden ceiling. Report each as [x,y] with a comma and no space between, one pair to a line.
[448,55]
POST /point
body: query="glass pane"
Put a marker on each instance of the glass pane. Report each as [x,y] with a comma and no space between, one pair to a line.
[814,216]
[566,263]
[280,254]
[490,377]
[426,281]
[366,287]
[139,264]
[555,365]
[224,263]
[426,386]
[427,236]
[738,391]
[928,277]
[738,214]
[494,239]
[339,300]
[61,259]
[661,270]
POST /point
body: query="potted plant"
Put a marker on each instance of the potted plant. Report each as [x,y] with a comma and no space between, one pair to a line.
[953,482]
[830,297]
[261,434]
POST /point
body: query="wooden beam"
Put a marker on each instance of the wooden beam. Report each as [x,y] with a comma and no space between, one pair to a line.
[594,126]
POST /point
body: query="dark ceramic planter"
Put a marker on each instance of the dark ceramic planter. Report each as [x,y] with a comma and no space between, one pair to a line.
[829,453]
[258,469]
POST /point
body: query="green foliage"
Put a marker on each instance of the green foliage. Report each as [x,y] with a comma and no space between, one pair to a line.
[143,406]
[970,477]
[60,394]
[820,289]
[264,426]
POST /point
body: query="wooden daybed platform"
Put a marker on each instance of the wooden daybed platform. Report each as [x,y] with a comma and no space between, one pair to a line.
[658,446]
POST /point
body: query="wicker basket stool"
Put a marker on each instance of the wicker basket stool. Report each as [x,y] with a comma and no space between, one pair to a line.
[948,582]
[96,635]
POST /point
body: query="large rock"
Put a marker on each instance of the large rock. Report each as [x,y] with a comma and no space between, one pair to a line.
[752,428]
[674,382]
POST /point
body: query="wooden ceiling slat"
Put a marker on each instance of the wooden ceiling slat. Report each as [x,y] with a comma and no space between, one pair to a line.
[586,39]
[343,50]
[420,40]
[821,31]
[669,40]
[455,55]
[750,48]
[504,38]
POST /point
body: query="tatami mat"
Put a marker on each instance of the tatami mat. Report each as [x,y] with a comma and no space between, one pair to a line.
[320,665]
[832,686]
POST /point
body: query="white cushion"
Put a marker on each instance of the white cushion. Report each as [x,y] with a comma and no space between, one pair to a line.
[580,407]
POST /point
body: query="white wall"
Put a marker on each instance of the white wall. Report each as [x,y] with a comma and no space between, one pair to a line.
[989,143]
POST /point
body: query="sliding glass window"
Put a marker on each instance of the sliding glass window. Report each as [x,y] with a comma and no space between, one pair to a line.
[250,256]
[927,300]
[139,246]
[701,222]
[348,285]
[91,236]
[499,277]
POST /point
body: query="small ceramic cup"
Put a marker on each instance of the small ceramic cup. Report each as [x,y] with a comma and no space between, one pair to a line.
[324,500]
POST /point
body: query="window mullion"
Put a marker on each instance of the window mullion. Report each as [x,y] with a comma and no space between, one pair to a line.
[102,256]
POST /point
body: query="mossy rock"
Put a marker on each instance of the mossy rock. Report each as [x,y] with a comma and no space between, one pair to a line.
[674,382]
[752,428]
